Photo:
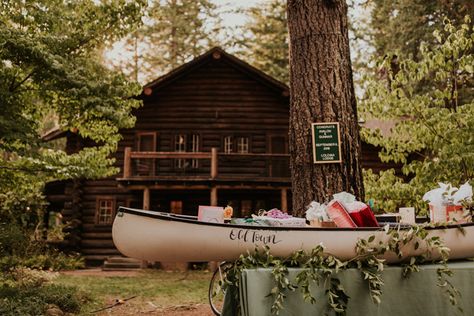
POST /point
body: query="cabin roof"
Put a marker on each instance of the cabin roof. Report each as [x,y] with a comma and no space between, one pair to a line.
[215,53]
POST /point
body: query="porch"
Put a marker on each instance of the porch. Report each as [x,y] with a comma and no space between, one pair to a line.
[249,178]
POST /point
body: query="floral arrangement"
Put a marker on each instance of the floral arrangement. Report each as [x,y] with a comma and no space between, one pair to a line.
[275,213]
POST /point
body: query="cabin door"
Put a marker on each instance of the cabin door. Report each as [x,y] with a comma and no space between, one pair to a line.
[146,142]
[279,166]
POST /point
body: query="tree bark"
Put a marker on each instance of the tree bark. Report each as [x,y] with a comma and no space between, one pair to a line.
[322,90]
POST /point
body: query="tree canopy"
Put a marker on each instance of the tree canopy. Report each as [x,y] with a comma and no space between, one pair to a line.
[172,33]
[401,26]
[434,126]
[264,40]
[49,68]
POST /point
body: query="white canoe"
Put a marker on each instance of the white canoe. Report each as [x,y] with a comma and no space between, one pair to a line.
[155,236]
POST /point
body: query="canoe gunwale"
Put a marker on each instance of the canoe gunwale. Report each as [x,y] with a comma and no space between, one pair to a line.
[191,220]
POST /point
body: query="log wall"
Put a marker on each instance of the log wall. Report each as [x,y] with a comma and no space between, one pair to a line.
[214,99]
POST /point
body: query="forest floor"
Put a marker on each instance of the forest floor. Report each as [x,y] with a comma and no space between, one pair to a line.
[145,292]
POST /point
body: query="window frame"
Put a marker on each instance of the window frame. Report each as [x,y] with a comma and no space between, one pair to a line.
[225,143]
[97,216]
[237,143]
[179,163]
[138,136]
[195,162]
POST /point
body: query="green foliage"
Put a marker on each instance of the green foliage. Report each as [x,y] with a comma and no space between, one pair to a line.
[172,33]
[320,268]
[434,126]
[50,71]
[390,191]
[18,248]
[48,64]
[34,298]
[264,41]
[400,26]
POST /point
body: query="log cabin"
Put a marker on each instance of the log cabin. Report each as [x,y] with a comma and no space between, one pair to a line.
[213,131]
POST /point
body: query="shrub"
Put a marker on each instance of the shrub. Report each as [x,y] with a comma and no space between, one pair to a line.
[25,291]
[22,300]
[19,249]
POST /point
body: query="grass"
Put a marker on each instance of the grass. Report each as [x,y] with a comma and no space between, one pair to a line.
[152,288]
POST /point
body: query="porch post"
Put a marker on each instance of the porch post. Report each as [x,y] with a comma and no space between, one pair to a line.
[127,162]
[214,163]
[146,198]
[214,199]
[284,201]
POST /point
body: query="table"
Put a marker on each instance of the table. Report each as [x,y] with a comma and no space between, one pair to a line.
[417,294]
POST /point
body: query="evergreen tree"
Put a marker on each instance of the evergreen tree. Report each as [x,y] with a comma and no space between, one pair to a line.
[400,26]
[264,42]
[321,91]
[173,32]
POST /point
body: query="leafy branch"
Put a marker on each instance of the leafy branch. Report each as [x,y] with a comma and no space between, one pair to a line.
[319,268]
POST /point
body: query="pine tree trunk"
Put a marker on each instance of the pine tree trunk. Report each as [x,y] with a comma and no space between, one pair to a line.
[322,90]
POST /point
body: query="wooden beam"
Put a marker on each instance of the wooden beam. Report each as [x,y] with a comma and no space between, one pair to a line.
[284,201]
[170,155]
[127,162]
[146,198]
[214,200]
[202,187]
[214,162]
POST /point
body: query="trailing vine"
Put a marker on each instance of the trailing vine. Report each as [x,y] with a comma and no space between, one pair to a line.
[319,268]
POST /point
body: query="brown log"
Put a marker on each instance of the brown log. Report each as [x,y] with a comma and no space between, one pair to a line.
[284,202]
[127,162]
[214,163]
[169,155]
[214,199]
[321,91]
[146,198]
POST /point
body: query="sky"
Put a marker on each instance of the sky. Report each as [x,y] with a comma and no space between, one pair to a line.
[232,19]
[229,19]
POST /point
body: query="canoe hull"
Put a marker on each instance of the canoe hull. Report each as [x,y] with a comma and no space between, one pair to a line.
[155,236]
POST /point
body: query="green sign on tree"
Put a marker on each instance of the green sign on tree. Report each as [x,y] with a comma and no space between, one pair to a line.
[326,142]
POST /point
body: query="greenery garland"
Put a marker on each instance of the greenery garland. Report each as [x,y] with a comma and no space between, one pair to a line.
[320,268]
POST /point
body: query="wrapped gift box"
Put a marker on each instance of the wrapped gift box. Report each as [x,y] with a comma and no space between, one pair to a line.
[211,214]
[279,222]
[447,213]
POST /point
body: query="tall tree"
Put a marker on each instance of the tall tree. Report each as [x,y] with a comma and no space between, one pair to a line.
[49,64]
[321,91]
[173,32]
[434,125]
[264,41]
[400,26]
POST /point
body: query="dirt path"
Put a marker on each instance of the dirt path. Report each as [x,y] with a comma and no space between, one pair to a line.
[178,310]
[100,273]
[137,306]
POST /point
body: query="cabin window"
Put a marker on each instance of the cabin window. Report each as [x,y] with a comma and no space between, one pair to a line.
[228,144]
[195,148]
[180,146]
[279,166]
[242,145]
[105,210]
[145,141]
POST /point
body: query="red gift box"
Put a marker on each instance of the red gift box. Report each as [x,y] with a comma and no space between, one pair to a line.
[338,213]
[361,214]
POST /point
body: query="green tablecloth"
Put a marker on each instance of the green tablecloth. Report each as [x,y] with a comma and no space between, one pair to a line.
[416,295]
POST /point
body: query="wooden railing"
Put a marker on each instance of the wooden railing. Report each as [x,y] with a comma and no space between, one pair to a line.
[213,156]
